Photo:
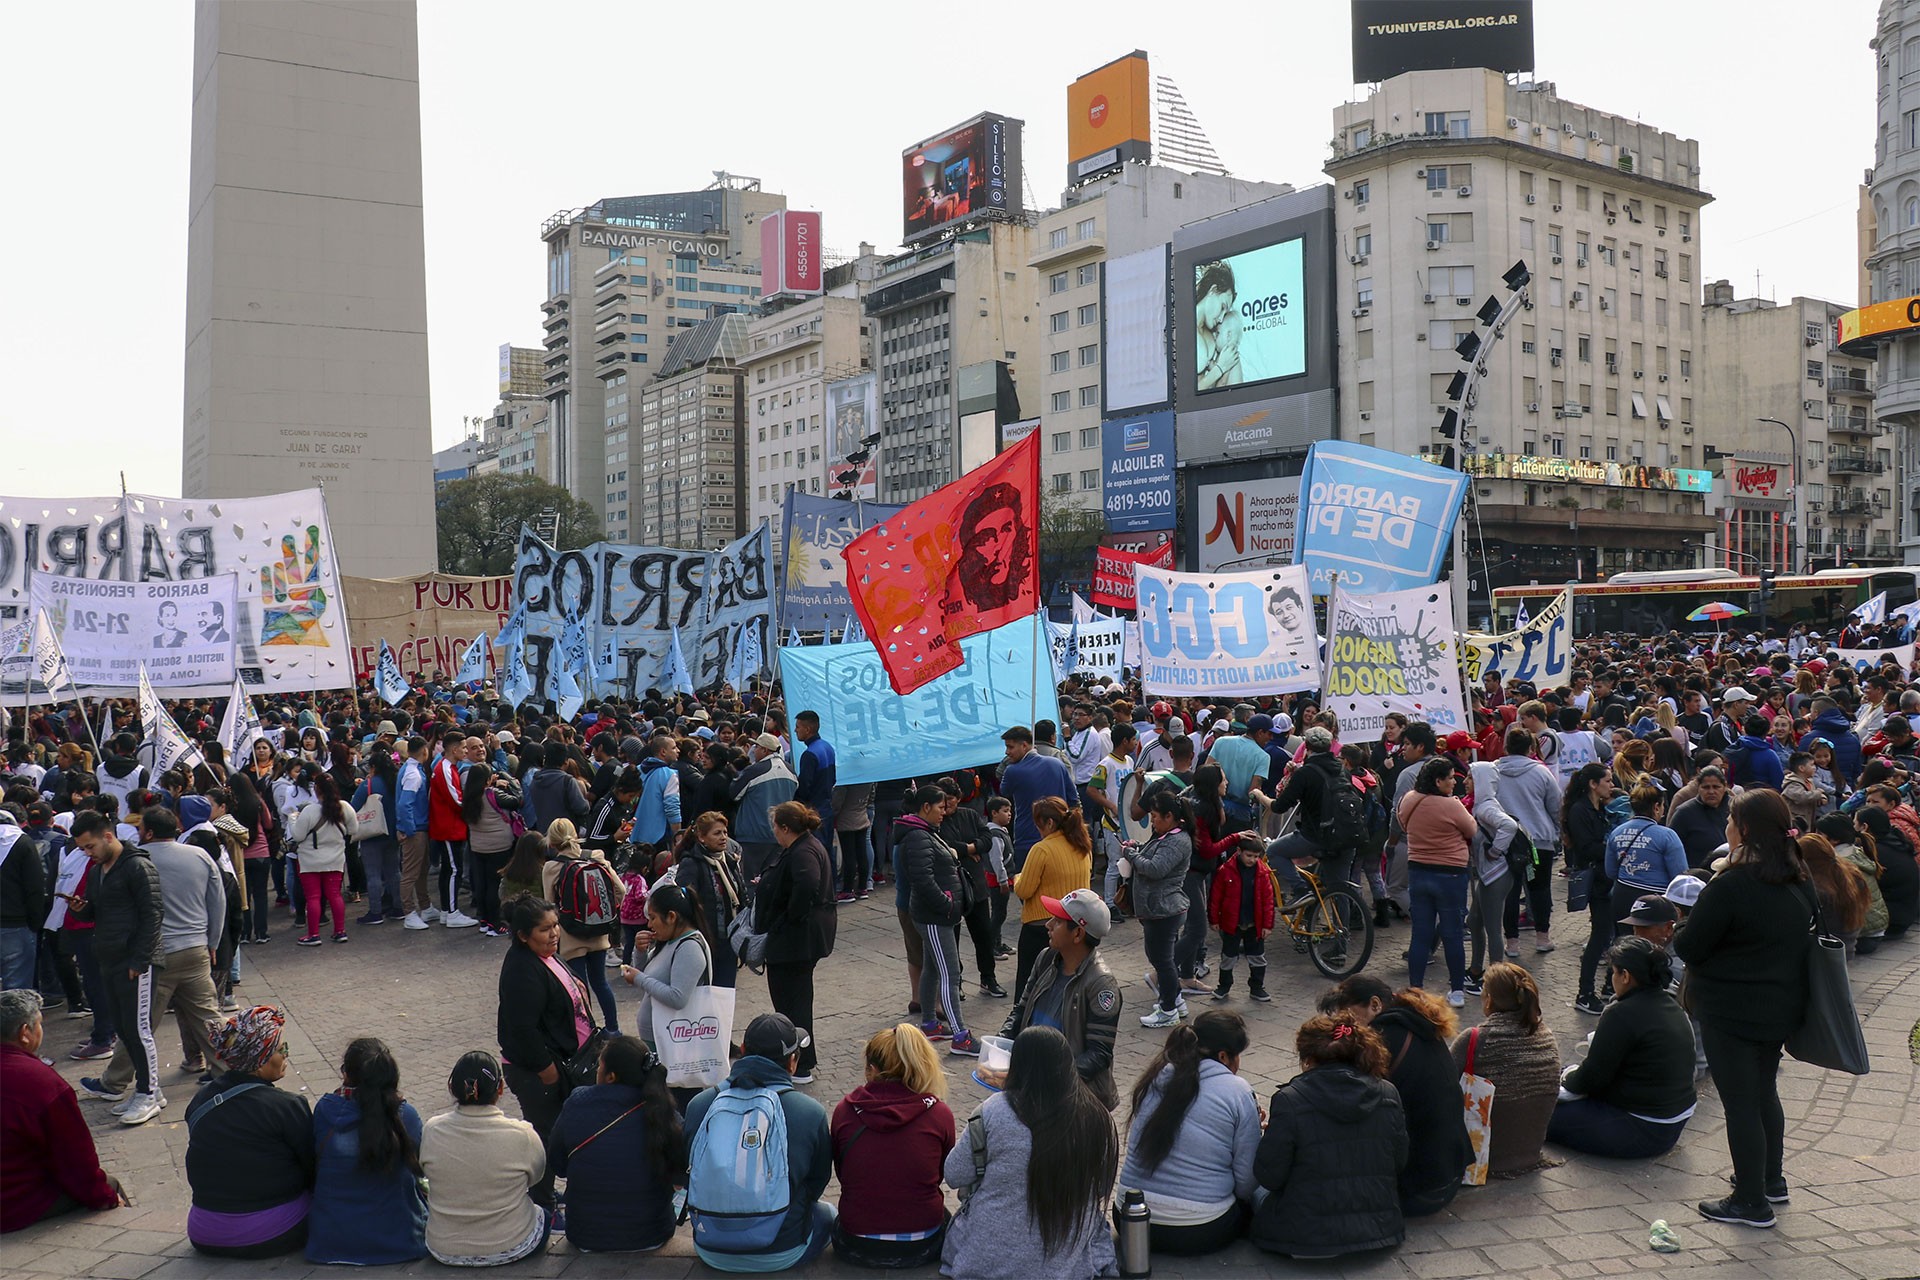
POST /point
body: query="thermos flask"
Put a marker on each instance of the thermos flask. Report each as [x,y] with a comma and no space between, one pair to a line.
[1132,1221]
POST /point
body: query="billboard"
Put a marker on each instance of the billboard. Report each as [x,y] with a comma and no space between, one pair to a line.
[853,414]
[1253,329]
[1133,320]
[1756,480]
[966,172]
[1392,36]
[790,254]
[1247,523]
[1109,118]
[1136,472]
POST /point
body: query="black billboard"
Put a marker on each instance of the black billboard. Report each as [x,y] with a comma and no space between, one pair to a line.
[967,171]
[1392,36]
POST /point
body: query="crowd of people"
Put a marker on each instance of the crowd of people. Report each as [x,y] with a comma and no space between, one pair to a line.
[1705,810]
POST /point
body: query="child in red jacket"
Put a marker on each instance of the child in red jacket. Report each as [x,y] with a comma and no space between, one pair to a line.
[1242,907]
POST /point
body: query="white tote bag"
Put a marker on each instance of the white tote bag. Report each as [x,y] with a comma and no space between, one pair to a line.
[692,1041]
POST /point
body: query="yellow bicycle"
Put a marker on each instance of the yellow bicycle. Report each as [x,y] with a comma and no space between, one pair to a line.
[1333,927]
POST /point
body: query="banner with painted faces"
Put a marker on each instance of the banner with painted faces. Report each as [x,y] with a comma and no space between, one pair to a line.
[1377,521]
[1393,652]
[1226,634]
[1540,653]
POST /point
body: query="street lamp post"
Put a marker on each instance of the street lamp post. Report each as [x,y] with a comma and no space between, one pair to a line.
[1799,544]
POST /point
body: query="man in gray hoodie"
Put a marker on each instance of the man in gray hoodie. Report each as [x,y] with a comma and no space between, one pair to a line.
[1529,792]
[193,913]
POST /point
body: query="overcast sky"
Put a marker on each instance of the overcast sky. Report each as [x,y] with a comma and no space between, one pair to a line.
[531,108]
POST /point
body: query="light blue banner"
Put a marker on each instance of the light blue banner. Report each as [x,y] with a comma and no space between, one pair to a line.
[1379,521]
[949,723]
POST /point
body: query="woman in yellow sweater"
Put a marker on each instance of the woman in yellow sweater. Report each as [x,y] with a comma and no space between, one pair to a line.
[1059,863]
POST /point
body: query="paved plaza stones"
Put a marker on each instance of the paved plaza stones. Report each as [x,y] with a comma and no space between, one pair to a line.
[1853,1145]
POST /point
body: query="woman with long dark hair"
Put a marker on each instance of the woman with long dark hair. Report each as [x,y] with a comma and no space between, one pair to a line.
[542,1017]
[1745,946]
[619,1144]
[1039,1161]
[381,854]
[257,858]
[677,963]
[1439,835]
[368,1208]
[794,907]
[1632,1095]
[1192,1139]
[1585,825]
[708,866]
[320,832]
[490,804]
[1899,873]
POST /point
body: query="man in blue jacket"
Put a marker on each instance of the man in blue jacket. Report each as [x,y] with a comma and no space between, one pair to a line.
[656,818]
[1027,776]
[1754,761]
[817,775]
[770,1049]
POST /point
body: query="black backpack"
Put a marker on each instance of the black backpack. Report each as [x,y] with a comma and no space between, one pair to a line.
[1343,815]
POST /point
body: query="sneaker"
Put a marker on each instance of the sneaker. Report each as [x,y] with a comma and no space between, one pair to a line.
[429,914]
[87,1051]
[613,957]
[1200,969]
[1222,994]
[993,990]
[1542,944]
[121,1108]
[95,1088]
[1776,1191]
[1258,990]
[143,1107]
[1457,998]
[1472,987]
[1160,1018]
[844,898]
[229,1005]
[936,1031]
[1000,952]
[458,919]
[804,1077]
[194,1066]
[414,920]
[261,939]
[862,897]
[1592,1006]
[81,1010]
[965,1045]
[373,919]
[339,937]
[313,941]
[1738,1213]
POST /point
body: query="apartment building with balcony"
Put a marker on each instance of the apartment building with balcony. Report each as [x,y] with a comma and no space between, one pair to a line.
[627,276]
[676,464]
[1760,359]
[1585,447]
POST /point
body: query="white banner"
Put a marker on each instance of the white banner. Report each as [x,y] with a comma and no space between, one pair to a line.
[1540,653]
[1099,643]
[1866,661]
[1392,652]
[240,726]
[290,622]
[169,743]
[387,680]
[181,632]
[30,655]
[1226,634]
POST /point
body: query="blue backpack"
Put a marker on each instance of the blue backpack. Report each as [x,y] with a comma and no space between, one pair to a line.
[738,1188]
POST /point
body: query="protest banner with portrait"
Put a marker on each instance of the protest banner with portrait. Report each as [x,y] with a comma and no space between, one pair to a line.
[1226,634]
[182,631]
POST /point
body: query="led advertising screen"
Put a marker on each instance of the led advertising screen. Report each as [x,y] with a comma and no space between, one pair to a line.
[1109,118]
[1249,320]
[1253,330]
[963,173]
[1392,36]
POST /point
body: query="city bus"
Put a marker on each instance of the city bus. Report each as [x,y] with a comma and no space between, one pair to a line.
[1652,603]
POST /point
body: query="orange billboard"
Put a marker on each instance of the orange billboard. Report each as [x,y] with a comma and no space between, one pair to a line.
[1109,118]
[1859,331]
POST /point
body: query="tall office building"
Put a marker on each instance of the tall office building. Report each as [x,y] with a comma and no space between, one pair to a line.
[1892,266]
[625,278]
[1125,211]
[1764,360]
[306,337]
[792,356]
[675,464]
[1586,454]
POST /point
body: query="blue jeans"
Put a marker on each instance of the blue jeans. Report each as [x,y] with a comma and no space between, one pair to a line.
[381,854]
[19,957]
[1602,1129]
[1439,897]
[591,969]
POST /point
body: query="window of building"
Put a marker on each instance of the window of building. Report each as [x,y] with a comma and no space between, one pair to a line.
[1085,274]
[1057,322]
[1362,135]
[1089,437]
[1436,177]
[1439,230]
[1085,229]
[1660,312]
[1090,354]
[1057,282]
[1440,335]
[1090,397]
[1362,243]
[1454,281]
[1910,130]
[1062,401]
[1583,349]
[1362,191]
[1090,313]
[1815,371]
[1057,238]
[1090,478]
[1686,364]
[1526,233]
[1057,362]
[1363,344]
[1062,482]
[1363,291]
[1364,395]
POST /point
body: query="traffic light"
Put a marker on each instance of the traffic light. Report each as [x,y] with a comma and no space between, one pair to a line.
[1766,586]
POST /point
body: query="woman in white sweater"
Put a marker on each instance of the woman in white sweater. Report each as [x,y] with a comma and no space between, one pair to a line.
[319,833]
[677,964]
[480,1165]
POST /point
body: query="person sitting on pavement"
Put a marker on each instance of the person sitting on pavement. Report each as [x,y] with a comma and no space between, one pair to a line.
[1073,991]
[368,1205]
[1191,1142]
[1336,1142]
[250,1148]
[1037,1163]
[482,1166]
[619,1144]
[1513,1048]
[893,1212]
[1632,1095]
[725,1135]
[48,1164]
[1415,1026]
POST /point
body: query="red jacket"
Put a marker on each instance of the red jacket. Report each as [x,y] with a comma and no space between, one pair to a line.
[444,821]
[889,1145]
[1224,908]
[45,1148]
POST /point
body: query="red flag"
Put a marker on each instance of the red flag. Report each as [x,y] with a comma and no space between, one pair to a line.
[962,560]
[1113,572]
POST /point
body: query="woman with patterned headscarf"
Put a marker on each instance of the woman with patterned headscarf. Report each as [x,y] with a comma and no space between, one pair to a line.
[250,1152]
